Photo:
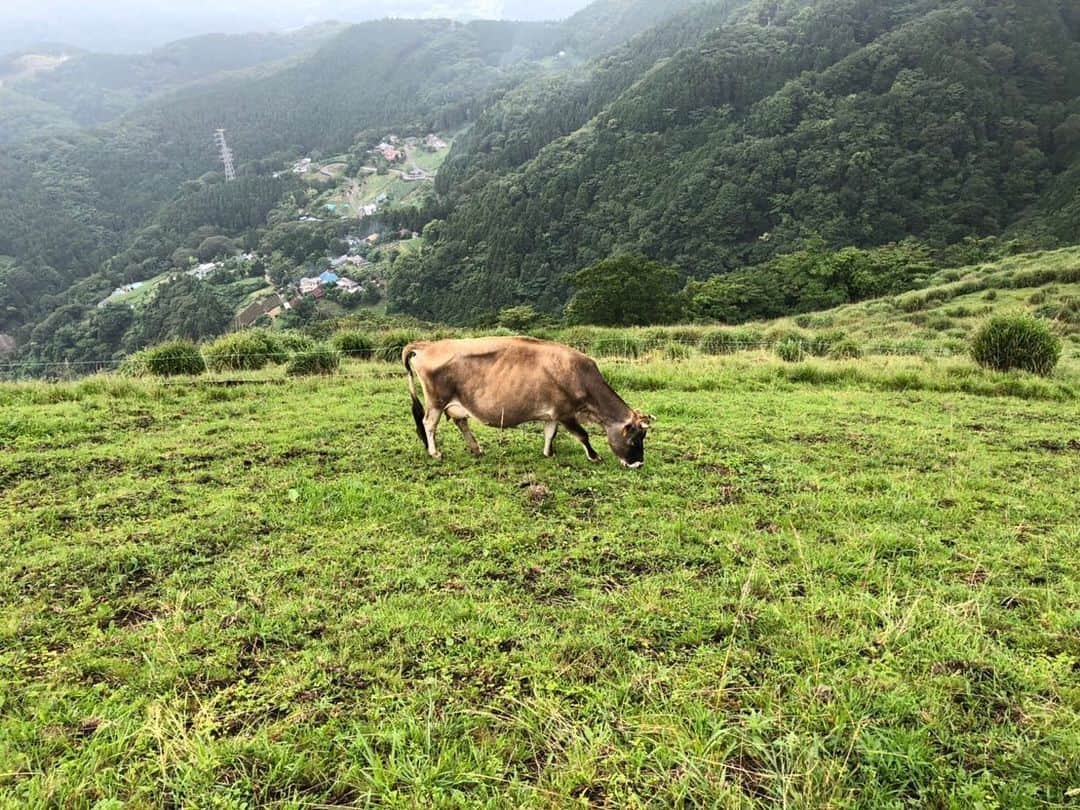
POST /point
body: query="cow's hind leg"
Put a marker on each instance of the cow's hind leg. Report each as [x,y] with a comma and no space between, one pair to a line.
[578,432]
[431,424]
[550,429]
[467,434]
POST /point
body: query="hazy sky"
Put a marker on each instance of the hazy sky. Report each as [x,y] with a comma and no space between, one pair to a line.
[112,25]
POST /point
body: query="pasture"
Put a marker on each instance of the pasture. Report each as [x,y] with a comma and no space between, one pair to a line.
[834,584]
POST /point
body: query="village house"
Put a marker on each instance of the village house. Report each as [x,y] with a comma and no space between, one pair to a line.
[371,240]
[368,210]
[127,288]
[204,270]
[348,286]
[302,166]
[433,141]
[347,259]
[414,175]
[388,151]
[309,285]
[328,279]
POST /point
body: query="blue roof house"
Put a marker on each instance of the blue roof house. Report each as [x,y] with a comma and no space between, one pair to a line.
[329,278]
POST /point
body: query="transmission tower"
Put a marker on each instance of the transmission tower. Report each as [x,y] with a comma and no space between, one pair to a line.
[226,155]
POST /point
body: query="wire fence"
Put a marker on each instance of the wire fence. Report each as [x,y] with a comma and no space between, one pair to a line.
[610,347]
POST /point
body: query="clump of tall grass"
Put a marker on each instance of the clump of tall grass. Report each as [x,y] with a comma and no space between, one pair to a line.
[791,350]
[729,341]
[294,342]
[389,346]
[245,351]
[354,344]
[846,349]
[617,345]
[172,359]
[321,359]
[1016,341]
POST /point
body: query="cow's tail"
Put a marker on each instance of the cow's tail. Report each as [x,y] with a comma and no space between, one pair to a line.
[417,407]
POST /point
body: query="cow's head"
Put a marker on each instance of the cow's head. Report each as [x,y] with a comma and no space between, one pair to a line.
[627,439]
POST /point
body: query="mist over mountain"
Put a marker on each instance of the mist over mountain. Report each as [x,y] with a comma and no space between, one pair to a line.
[138,25]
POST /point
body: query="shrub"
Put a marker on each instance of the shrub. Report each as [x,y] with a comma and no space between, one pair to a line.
[721,341]
[294,342]
[990,295]
[174,358]
[321,359]
[1016,341]
[520,319]
[675,350]
[846,349]
[390,344]
[791,350]
[617,346]
[819,345]
[134,365]
[245,351]
[354,344]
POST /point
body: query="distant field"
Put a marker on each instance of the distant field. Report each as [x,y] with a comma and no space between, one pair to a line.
[833,585]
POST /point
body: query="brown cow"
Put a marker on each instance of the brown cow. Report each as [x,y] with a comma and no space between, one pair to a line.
[505,382]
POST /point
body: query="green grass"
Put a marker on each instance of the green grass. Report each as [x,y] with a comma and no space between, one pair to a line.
[834,584]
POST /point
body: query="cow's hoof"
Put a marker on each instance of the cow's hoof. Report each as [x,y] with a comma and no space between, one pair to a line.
[436,456]
[595,459]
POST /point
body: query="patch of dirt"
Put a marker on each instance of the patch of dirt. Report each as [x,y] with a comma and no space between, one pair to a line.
[1055,446]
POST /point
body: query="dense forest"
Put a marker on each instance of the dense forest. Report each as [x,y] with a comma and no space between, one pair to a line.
[775,155]
[854,121]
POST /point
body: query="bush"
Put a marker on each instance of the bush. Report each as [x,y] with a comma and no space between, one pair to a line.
[728,341]
[354,344]
[174,358]
[617,346]
[294,342]
[846,349]
[245,351]
[390,344]
[520,319]
[675,350]
[1016,341]
[134,365]
[990,295]
[821,344]
[321,359]
[791,350]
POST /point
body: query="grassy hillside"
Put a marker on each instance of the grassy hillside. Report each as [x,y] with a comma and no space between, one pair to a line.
[821,590]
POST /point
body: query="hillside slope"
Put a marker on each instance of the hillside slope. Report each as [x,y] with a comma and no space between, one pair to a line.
[852,120]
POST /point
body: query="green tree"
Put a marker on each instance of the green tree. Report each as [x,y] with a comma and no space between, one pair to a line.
[624,290]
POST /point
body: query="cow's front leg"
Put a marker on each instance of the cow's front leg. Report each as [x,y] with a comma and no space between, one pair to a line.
[470,439]
[431,424]
[578,432]
[550,429]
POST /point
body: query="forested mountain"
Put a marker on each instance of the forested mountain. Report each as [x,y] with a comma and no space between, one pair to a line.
[856,121]
[734,139]
[86,204]
[63,87]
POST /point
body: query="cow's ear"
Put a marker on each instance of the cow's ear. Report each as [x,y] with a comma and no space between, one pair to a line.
[645,423]
[629,426]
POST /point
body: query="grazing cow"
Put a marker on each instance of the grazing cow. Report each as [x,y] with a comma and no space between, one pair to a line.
[505,382]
